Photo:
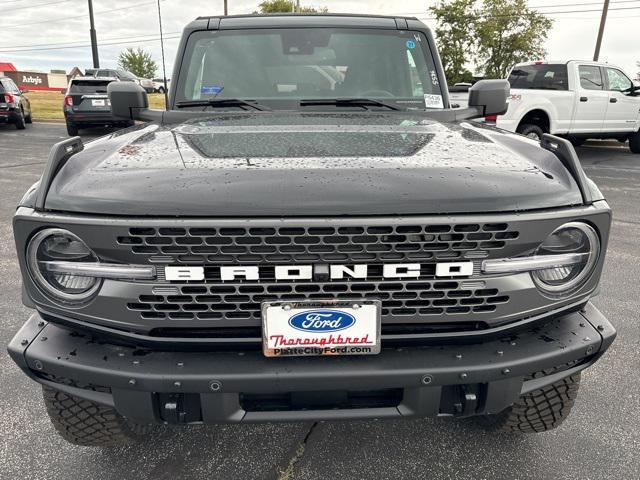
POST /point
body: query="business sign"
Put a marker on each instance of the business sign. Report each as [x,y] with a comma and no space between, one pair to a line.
[29,80]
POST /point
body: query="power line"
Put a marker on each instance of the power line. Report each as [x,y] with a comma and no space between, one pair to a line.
[528,14]
[546,6]
[89,45]
[583,3]
[13,9]
[6,48]
[64,19]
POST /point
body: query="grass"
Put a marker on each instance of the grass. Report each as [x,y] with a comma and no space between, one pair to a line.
[47,106]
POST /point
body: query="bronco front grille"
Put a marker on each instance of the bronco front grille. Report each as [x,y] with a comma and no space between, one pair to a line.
[214,303]
[242,300]
[270,245]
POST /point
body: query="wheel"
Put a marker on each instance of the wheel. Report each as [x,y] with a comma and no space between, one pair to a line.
[88,424]
[161,90]
[72,130]
[538,411]
[531,131]
[29,118]
[20,121]
[634,142]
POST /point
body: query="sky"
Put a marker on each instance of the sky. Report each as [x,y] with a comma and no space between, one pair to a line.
[32,31]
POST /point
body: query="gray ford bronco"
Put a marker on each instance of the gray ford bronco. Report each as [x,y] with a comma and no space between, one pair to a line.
[310,231]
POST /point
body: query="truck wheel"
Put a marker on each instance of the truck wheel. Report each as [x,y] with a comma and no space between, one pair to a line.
[20,121]
[72,130]
[538,411]
[532,131]
[88,424]
[634,142]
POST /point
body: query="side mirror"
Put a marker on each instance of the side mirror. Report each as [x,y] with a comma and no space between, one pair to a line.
[127,99]
[490,96]
[24,91]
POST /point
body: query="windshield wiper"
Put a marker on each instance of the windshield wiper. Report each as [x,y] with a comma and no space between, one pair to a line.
[221,103]
[347,102]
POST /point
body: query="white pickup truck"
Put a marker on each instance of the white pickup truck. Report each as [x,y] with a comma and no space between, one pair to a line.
[576,99]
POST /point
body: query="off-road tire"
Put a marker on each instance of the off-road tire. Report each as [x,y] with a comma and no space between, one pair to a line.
[72,130]
[538,411]
[20,121]
[88,424]
[528,130]
[634,142]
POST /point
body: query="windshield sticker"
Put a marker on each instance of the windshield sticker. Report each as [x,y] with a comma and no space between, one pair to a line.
[434,78]
[411,44]
[212,90]
[433,101]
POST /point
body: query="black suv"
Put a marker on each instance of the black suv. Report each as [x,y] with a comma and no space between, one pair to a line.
[123,76]
[14,105]
[309,232]
[86,105]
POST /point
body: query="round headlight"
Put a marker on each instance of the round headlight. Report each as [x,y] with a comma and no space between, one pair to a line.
[45,249]
[571,238]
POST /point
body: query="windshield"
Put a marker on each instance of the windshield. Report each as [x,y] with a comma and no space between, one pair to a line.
[314,63]
[539,77]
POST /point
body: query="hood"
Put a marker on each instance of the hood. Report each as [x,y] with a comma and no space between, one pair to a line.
[269,164]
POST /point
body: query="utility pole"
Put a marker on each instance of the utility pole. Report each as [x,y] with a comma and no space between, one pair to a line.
[164,70]
[226,8]
[603,20]
[94,39]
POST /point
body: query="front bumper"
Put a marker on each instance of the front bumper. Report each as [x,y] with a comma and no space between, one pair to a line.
[188,387]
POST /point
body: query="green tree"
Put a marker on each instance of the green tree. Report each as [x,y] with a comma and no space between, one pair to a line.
[508,32]
[456,41]
[488,35]
[287,6]
[137,62]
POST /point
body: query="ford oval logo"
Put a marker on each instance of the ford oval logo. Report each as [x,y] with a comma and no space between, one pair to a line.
[321,321]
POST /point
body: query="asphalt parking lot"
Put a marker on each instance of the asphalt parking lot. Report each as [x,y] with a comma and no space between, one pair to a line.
[600,440]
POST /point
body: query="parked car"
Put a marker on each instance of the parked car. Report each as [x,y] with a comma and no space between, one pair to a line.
[122,75]
[86,105]
[576,99]
[278,245]
[15,107]
[158,85]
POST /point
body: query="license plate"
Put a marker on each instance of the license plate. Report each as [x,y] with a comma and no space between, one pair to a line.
[98,103]
[321,328]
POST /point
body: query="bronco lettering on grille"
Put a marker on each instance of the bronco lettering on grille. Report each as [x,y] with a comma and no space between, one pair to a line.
[306,272]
